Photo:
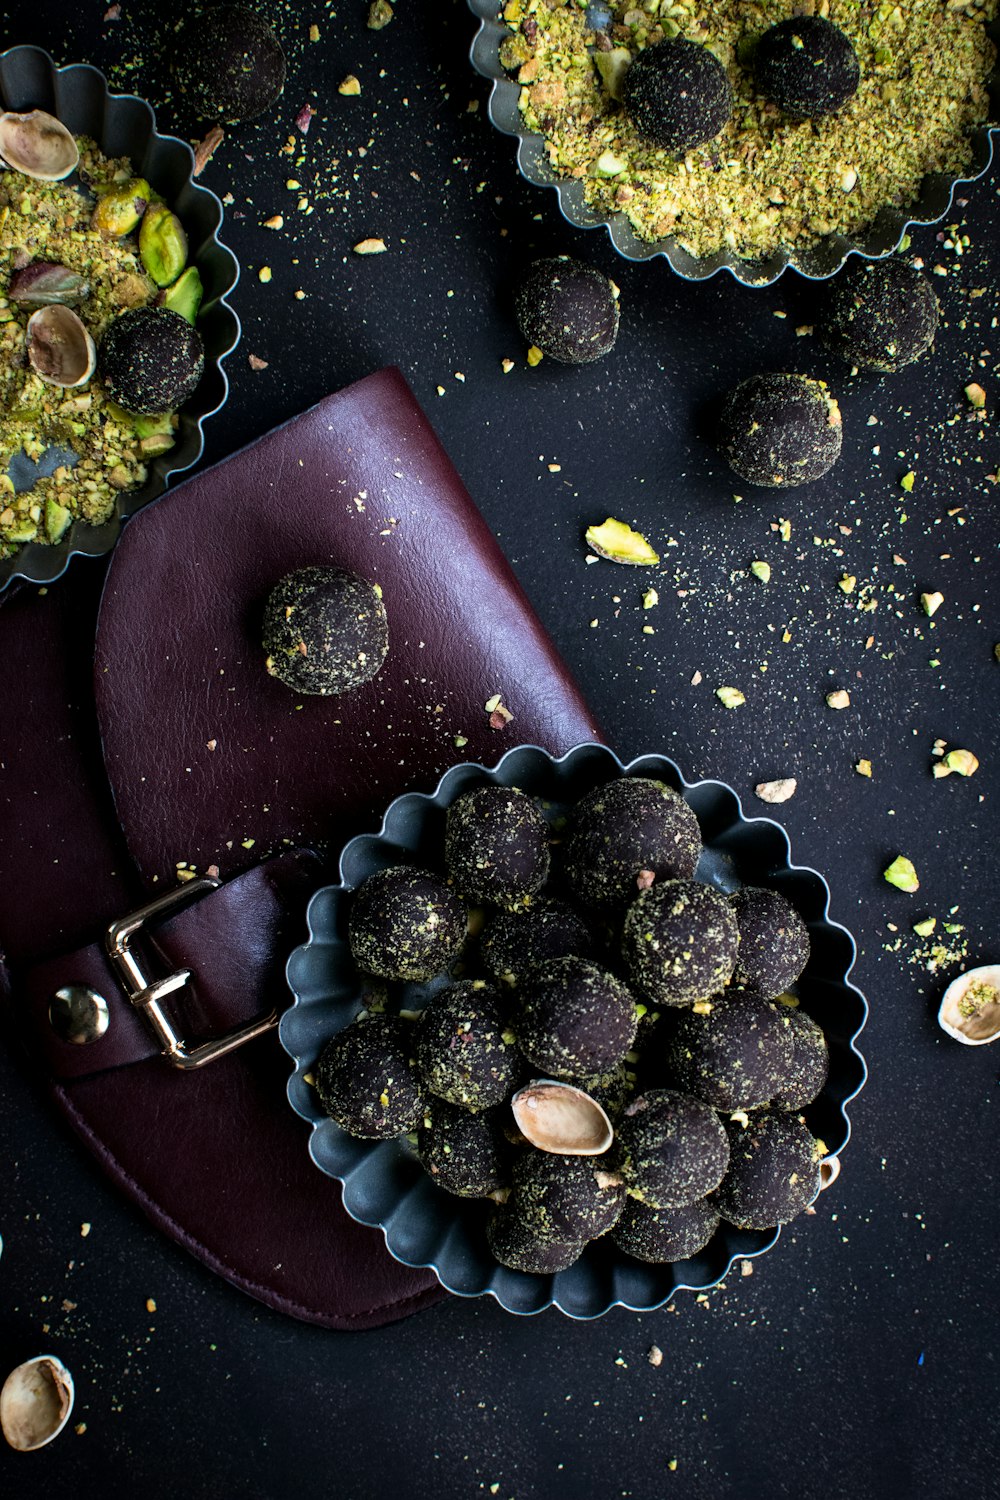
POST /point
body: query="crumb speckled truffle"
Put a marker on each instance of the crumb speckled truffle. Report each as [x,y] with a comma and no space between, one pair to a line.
[567,309]
[806,66]
[325,631]
[736,1056]
[151,360]
[774,941]
[366,1081]
[496,846]
[513,943]
[462,1054]
[567,1198]
[780,430]
[514,1242]
[674,1149]
[679,942]
[628,829]
[677,95]
[810,1063]
[405,924]
[228,64]
[879,315]
[665,1234]
[773,1172]
[611,1090]
[575,1019]
[462,1152]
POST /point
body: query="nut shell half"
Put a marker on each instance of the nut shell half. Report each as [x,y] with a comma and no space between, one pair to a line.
[969,1011]
[36,1402]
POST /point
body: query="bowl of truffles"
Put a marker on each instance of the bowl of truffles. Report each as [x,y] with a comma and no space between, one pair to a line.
[574,1032]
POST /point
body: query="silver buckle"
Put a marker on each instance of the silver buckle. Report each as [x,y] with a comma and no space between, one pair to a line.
[146,994]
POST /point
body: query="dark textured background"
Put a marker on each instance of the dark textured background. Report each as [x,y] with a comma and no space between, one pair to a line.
[859,1358]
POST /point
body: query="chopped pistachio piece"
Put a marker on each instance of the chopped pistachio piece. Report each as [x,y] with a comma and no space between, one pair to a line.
[612,67]
[617,542]
[776,791]
[370,247]
[940,769]
[730,697]
[838,699]
[963,762]
[608,165]
[975,395]
[863,768]
[901,874]
[350,85]
[847,583]
[761,570]
[926,927]
[535,356]
[907,481]
[931,603]
[650,598]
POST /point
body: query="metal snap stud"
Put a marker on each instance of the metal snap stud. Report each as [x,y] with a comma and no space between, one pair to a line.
[79,1014]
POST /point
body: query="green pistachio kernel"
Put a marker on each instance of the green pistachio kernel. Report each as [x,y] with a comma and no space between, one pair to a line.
[117,212]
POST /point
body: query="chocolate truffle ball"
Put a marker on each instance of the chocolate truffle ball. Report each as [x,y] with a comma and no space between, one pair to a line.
[515,1242]
[575,1019]
[674,1149]
[679,942]
[366,1081]
[461,1052]
[567,1198]
[774,941]
[879,314]
[624,831]
[665,1234]
[513,943]
[736,1056]
[780,430]
[773,1172]
[806,66]
[809,1066]
[405,924]
[151,360]
[228,64]
[496,846]
[677,95]
[567,309]
[325,631]
[462,1152]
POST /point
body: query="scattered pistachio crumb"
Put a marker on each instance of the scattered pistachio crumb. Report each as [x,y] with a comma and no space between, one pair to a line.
[847,583]
[838,699]
[264,274]
[650,598]
[931,603]
[761,570]
[535,356]
[150,1304]
[975,395]
[963,762]
[380,13]
[776,791]
[863,768]
[370,247]
[925,927]
[506,365]
[730,697]
[460,741]
[84,1231]
[901,874]
[655,1356]
[350,85]
[907,481]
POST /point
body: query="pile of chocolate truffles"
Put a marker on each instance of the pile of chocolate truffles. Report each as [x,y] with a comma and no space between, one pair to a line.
[606,1044]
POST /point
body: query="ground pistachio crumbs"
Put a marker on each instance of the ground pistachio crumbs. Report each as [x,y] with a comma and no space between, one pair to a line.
[766,180]
[51,222]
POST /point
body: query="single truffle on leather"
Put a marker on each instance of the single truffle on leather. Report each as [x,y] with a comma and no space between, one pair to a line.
[806,66]
[734,1057]
[677,95]
[325,631]
[462,1152]
[228,64]
[809,1066]
[463,1054]
[496,846]
[665,1234]
[674,1149]
[679,942]
[366,1081]
[567,309]
[566,1198]
[513,943]
[878,314]
[151,360]
[575,1019]
[774,941]
[628,829]
[773,1171]
[780,430]
[515,1242]
[405,923]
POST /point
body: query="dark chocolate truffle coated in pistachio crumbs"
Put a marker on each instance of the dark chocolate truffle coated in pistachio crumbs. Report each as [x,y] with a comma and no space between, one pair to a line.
[665,1234]
[496,846]
[228,64]
[810,1064]
[736,1056]
[513,943]
[773,1171]
[679,942]
[774,941]
[879,315]
[151,360]
[515,1242]
[567,1198]
[629,828]
[806,66]
[365,1078]
[462,1152]
[464,1053]
[325,631]
[674,1149]
[575,1019]
[780,430]
[405,923]
[567,309]
[677,95]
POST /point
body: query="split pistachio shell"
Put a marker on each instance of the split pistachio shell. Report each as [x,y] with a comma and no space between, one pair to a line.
[38,145]
[35,1402]
[970,1010]
[561,1119]
[60,350]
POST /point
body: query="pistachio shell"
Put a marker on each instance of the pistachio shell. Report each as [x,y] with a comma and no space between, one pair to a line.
[60,350]
[973,1019]
[38,145]
[35,1402]
[561,1119]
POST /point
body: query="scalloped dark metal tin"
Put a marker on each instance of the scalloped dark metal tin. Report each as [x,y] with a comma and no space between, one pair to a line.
[385,1186]
[124,125]
[816,263]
